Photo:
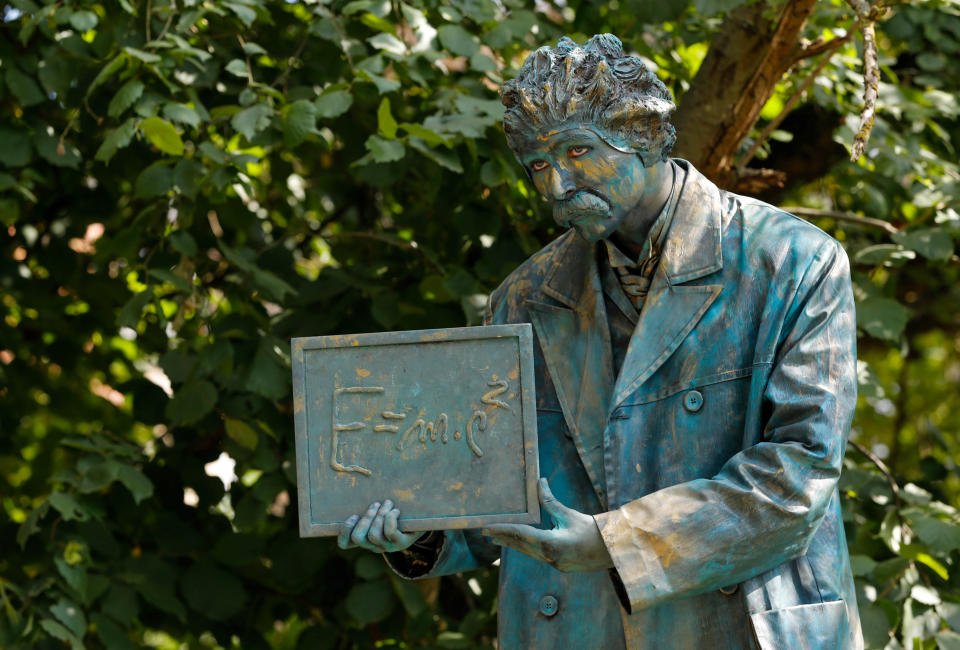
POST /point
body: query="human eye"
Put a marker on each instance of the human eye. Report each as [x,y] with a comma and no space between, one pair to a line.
[539,165]
[576,152]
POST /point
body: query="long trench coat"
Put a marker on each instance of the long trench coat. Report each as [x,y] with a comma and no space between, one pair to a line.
[711,462]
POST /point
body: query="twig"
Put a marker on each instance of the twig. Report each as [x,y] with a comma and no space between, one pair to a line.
[880,465]
[392,242]
[834,44]
[166,25]
[243,46]
[841,216]
[290,61]
[871,82]
[147,20]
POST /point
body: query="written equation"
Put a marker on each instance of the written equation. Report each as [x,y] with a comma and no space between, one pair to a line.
[420,429]
[442,422]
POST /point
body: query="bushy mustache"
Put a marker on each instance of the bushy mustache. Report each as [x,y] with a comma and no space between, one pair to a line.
[584,203]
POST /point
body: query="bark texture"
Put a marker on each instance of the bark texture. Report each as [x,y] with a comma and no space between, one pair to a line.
[746,59]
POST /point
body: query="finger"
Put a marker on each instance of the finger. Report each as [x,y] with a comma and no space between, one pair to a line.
[392,532]
[359,534]
[554,508]
[521,544]
[518,533]
[375,534]
[343,538]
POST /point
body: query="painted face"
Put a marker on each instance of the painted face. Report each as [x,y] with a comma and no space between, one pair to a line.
[593,187]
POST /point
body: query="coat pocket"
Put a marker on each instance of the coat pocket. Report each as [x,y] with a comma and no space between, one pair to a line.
[817,626]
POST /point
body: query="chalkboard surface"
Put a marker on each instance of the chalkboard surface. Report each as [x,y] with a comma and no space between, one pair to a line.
[442,422]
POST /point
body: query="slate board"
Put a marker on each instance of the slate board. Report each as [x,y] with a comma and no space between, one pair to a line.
[442,422]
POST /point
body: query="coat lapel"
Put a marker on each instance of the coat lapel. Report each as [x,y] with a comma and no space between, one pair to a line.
[575,341]
[692,251]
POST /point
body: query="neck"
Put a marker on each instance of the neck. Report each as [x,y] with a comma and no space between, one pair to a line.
[635,229]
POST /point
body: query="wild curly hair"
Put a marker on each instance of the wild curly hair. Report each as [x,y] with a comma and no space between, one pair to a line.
[590,85]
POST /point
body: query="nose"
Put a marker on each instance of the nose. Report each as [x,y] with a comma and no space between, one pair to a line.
[561,185]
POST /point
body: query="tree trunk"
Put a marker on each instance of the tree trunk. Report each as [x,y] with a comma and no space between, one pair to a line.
[745,61]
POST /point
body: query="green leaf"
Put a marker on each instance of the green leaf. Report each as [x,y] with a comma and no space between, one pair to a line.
[251,121]
[388,43]
[191,402]
[116,139]
[933,243]
[883,318]
[939,535]
[58,631]
[237,67]
[71,616]
[49,148]
[184,242]
[883,254]
[110,633]
[241,433]
[181,113]
[31,524]
[166,275]
[268,375]
[333,103]
[83,21]
[213,592]
[67,506]
[458,40]
[862,565]
[24,88]
[243,12]
[299,121]
[130,313]
[386,125]
[155,180]
[369,602]
[16,149]
[146,57]
[120,603]
[106,72]
[713,7]
[162,135]
[948,640]
[432,138]
[155,580]
[136,482]
[443,157]
[125,97]
[384,150]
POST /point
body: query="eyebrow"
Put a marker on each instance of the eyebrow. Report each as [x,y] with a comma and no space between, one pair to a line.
[564,138]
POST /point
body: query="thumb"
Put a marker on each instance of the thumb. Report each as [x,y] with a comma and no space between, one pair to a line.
[550,503]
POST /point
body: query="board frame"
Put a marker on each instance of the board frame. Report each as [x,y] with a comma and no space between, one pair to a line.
[524,337]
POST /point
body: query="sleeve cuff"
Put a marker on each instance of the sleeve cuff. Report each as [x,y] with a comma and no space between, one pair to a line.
[637,570]
[420,558]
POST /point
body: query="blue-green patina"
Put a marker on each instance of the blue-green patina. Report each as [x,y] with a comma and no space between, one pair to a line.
[703,433]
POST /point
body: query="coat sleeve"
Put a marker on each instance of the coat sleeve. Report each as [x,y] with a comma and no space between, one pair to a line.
[763,507]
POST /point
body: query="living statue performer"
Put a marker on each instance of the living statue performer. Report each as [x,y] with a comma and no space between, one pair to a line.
[695,379]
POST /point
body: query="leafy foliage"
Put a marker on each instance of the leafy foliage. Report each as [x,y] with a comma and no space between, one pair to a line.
[185,186]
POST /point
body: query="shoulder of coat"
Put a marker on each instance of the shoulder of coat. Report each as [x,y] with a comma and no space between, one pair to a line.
[525,281]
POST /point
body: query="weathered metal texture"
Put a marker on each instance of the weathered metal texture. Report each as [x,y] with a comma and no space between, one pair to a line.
[710,460]
[440,421]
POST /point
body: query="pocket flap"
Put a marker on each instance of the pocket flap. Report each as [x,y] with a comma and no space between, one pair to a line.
[818,626]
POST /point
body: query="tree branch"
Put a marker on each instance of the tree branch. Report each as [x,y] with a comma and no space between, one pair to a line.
[841,216]
[871,82]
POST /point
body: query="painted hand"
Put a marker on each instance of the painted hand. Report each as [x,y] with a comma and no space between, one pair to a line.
[574,544]
[376,530]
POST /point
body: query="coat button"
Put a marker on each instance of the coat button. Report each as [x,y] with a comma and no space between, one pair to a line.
[729,591]
[693,401]
[549,605]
